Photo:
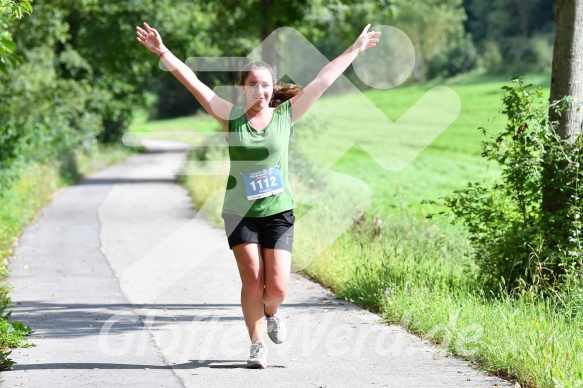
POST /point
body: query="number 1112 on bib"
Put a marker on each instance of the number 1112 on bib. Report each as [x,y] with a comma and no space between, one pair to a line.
[263,183]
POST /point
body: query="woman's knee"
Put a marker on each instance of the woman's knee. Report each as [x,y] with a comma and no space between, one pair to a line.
[276,290]
[253,287]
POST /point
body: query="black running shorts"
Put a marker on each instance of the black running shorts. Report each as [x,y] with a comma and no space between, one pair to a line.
[274,232]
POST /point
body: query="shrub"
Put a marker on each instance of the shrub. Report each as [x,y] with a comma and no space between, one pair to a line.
[459,57]
[522,54]
[491,59]
[517,244]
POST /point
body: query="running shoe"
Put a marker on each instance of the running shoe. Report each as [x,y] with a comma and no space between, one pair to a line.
[275,327]
[257,356]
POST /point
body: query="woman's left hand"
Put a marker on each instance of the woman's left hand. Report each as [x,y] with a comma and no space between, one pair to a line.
[367,39]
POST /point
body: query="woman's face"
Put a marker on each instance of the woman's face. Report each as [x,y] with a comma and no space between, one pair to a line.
[258,88]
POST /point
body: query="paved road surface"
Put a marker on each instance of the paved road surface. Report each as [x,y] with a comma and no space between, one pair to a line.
[126,285]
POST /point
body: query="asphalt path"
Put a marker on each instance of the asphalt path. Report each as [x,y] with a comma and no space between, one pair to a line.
[126,285]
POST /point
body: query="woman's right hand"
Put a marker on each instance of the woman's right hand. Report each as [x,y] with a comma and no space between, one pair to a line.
[150,39]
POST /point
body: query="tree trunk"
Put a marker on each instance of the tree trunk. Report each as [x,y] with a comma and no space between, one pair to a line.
[567,76]
[566,80]
[523,11]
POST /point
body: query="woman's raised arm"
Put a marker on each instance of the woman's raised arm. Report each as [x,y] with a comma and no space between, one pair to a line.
[213,104]
[303,101]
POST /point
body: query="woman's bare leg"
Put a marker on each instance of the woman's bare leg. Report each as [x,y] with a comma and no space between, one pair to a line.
[251,269]
[277,264]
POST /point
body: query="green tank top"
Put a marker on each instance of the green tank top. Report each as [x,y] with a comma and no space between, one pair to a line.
[256,158]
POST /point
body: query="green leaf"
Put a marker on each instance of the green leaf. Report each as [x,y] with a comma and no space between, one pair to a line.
[20,326]
[27,7]
[15,60]
[5,362]
[9,44]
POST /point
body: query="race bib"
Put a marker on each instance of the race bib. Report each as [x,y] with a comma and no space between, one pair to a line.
[263,183]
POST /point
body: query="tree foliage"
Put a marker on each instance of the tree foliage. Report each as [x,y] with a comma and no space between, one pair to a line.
[9,11]
[82,73]
[436,28]
[514,35]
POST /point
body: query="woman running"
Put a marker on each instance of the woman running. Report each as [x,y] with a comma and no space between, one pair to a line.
[258,206]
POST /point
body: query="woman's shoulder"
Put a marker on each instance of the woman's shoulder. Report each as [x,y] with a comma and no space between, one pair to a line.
[284,107]
[236,112]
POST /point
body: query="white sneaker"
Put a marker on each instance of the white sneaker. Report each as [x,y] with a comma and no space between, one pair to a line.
[276,327]
[257,356]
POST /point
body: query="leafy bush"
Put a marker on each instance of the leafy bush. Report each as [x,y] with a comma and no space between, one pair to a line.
[518,54]
[459,57]
[491,58]
[9,11]
[516,242]
[12,334]
[60,115]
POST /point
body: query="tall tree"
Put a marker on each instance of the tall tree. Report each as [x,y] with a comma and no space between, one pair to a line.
[567,73]
[566,80]
[500,19]
[435,28]
[258,19]
[514,36]
[93,46]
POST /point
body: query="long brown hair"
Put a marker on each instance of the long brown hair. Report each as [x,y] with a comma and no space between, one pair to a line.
[281,91]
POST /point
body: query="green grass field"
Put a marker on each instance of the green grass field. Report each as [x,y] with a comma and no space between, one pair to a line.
[415,271]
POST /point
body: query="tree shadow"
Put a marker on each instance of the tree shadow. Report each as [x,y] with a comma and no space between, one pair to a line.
[71,320]
[192,364]
[119,181]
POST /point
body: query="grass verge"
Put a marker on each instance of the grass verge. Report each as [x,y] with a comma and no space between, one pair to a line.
[421,279]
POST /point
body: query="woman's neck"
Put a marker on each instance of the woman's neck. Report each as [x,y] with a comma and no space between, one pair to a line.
[259,113]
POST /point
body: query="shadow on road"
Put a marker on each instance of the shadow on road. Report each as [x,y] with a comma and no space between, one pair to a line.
[192,364]
[70,320]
